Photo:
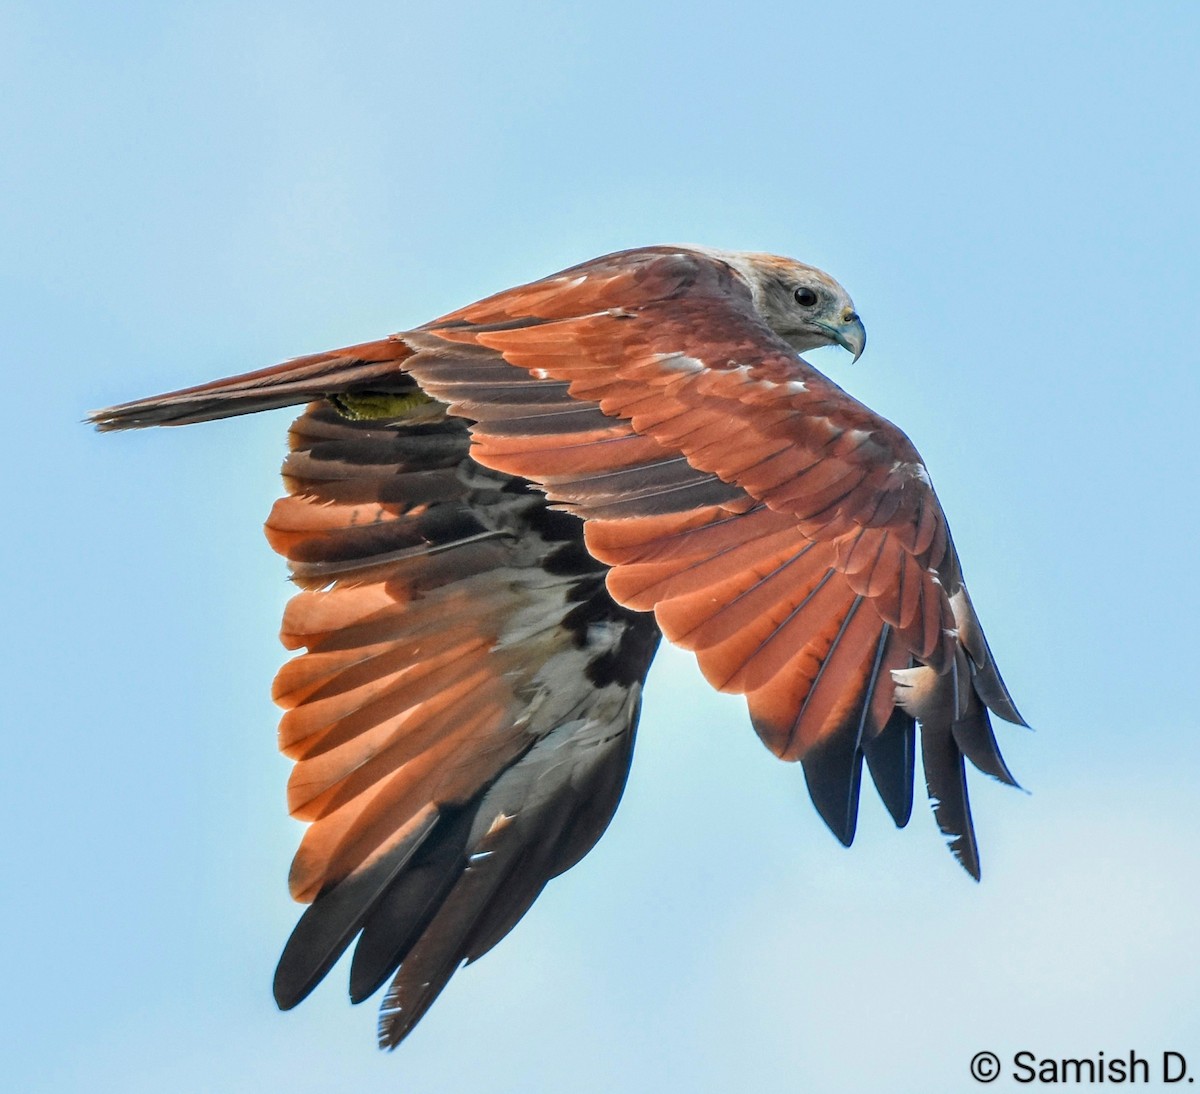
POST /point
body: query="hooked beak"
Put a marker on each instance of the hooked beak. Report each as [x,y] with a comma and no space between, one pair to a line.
[850,333]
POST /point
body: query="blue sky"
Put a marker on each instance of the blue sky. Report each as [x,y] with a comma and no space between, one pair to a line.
[1009,192]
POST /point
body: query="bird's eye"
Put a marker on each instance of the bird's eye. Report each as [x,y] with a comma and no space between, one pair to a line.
[805,297]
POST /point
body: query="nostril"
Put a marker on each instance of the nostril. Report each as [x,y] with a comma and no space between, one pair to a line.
[849,315]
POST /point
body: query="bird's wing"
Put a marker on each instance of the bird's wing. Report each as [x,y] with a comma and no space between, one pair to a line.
[463,717]
[777,527]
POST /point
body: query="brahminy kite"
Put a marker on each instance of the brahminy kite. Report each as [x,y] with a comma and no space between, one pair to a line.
[493,518]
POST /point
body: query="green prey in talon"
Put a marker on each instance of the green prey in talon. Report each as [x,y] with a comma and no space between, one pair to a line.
[369,406]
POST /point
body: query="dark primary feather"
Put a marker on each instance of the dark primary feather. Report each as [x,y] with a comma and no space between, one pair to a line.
[946,781]
[891,757]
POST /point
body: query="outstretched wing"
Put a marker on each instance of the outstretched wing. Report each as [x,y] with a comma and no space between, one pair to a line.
[463,717]
[777,527]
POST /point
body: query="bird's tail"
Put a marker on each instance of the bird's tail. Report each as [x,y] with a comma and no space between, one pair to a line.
[370,366]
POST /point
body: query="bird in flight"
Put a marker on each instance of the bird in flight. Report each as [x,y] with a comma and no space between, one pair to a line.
[494,518]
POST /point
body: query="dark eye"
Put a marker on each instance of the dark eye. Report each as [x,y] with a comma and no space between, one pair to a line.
[805,297]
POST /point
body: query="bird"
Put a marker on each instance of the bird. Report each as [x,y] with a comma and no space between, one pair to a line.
[492,520]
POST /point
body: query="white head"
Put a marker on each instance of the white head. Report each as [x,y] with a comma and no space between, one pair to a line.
[800,303]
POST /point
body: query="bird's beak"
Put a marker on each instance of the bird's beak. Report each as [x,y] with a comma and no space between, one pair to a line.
[850,333]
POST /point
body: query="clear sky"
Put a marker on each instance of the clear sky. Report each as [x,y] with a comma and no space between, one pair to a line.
[1009,192]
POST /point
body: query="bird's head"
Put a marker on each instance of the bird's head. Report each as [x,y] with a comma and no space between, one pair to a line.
[802,304]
